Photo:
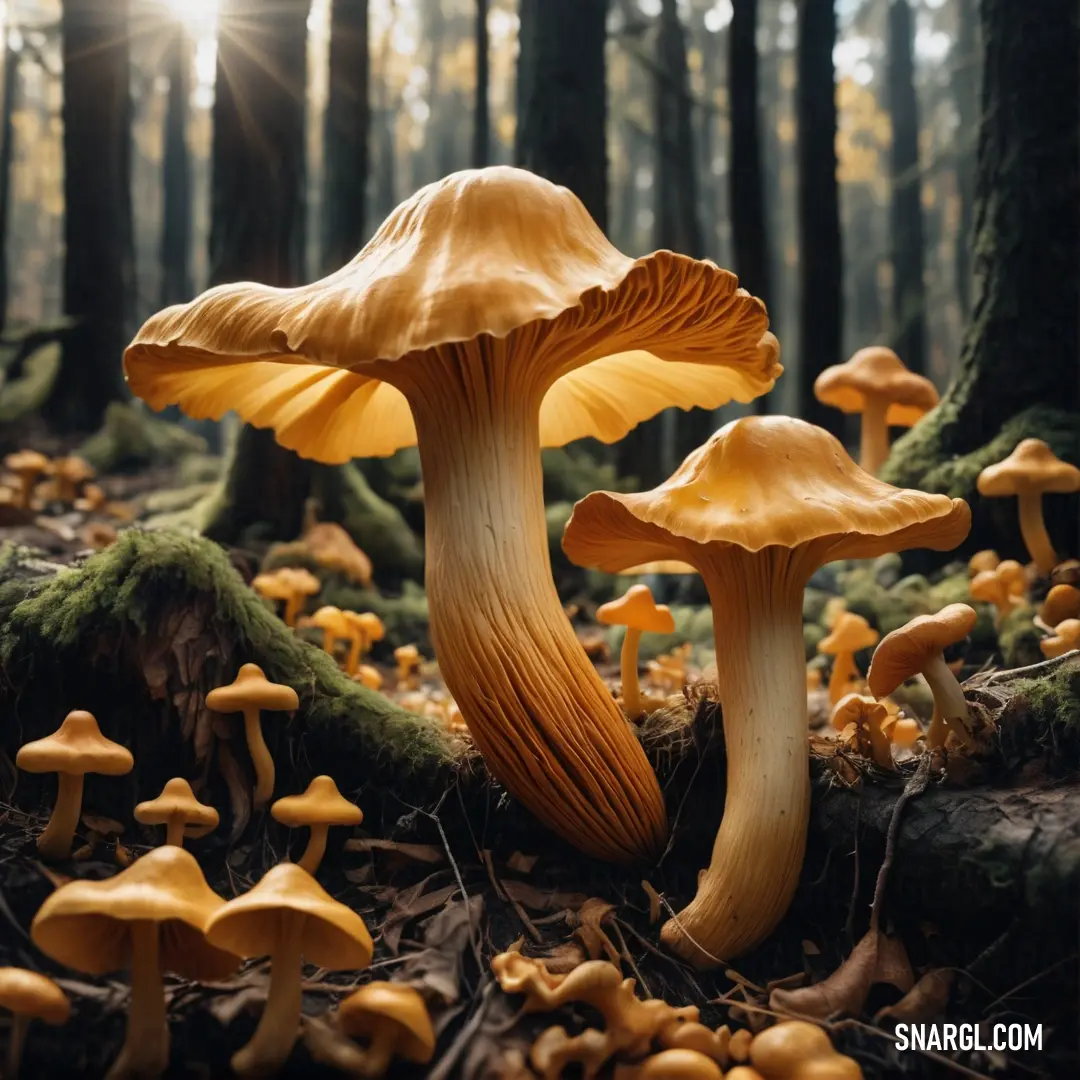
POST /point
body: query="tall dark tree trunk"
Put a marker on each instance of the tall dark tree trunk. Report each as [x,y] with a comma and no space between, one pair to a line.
[965,88]
[562,97]
[820,271]
[7,154]
[98,232]
[1022,338]
[176,174]
[909,293]
[481,141]
[348,121]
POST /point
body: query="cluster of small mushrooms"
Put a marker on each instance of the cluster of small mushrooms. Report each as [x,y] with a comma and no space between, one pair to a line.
[159,914]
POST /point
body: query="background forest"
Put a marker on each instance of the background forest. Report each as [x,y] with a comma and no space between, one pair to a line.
[712,109]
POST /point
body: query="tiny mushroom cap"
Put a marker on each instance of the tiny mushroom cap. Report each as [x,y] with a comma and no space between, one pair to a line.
[407,657]
[850,633]
[393,1018]
[876,383]
[31,994]
[178,809]
[27,465]
[983,560]
[487,317]
[868,718]
[1062,602]
[1028,472]
[756,532]
[371,625]
[672,1065]
[637,610]
[1065,638]
[332,622]
[1012,573]
[321,806]
[793,1049]
[369,676]
[992,588]
[334,549]
[70,472]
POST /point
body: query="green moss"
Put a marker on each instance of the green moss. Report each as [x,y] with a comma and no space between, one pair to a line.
[693,624]
[1054,700]
[1018,639]
[812,634]
[130,438]
[814,601]
[572,473]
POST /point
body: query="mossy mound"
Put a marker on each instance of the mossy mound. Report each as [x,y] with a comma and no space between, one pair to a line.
[571,473]
[1018,638]
[140,632]
[131,438]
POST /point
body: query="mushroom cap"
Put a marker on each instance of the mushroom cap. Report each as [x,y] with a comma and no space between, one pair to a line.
[83,923]
[330,618]
[637,609]
[850,633]
[369,676]
[76,747]
[1012,573]
[26,461]
[905,652]
[379,1004]
[987,559]
[1031,467]
[778,1049]
[29,993]
[299,581]
[72,468]
[853,708]
[177,798]
[252,689]
[660,566]
[272,586]
[406,654]
[1065,638]
[877,372]
[678,1065]
[321,804]
[371,625]
[334,936]
[1062,602]
[989,586]
[759,482]
[332,547]
[494,255]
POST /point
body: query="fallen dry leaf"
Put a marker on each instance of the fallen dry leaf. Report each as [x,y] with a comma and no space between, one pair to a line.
[591,934]
[435,971]
[563,957]
[425,853]
[543,899]
[410,904]
[926,1000]
[522,864]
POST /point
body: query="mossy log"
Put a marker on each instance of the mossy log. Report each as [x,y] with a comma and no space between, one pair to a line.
[140,632]
[131,437]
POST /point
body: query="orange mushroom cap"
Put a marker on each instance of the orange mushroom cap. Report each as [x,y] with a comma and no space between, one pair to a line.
[1062,602]
[252,689]
[321,804]
[903,653]
[850,633]
[29,993]
[1031,467]
[1065,638]
[981,561]
[855,708]
[76,747]
[637,609]
[178,800]
[877,371]
[332,547]
[385,1005]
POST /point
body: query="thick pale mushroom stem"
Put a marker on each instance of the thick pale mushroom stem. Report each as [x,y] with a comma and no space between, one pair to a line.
[759,848]
[55,841]
[260,757]
[546,724]
[949,702]
[1033,530]
[174,830]
[315,850]
[628,664]
[873,434]
[844,670]
[145,1053]
[275,1036]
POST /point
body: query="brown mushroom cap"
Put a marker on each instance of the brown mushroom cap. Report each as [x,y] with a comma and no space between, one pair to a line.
[677,1065]
[76,747]
[1031,467]
[334,936]
[72,468]
[984,560]
[852,708]
[1062,602]
[495,253]
[252,689]
[990,587]
[177,798]
[334,549]
[877,372]
[321,804]
[81,924]
[850,633]
[379,1004]
[637,609]
[29,993]
[26,463]
[903,653]
[732,491]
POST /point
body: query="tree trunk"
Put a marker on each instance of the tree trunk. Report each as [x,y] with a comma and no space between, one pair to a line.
[562,97]
[481,144]
[909,294]
[965,88]
[7,146]
[1022,339]
[98,231]
[820,277]
[176,174]
[347,126]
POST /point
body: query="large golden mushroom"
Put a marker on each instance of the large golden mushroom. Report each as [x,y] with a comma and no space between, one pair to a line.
[757,509]
[487,317]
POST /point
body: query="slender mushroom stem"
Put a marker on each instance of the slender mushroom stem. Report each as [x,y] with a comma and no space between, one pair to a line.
[1033,530]
[55,841]
[16,1039]
[936,732]
[880,747]
[174,830]
[315,850]
[293,603]
[356,649]
[546,724]
[873,435]
[631,690]
[949,698]
[275,1036]
[328,640]
[260,757]
[844,671]
[146,1046]
[759,848]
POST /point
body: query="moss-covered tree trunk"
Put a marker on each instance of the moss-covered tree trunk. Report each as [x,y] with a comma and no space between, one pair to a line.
[820,275]
[1021,345]
[98,232]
